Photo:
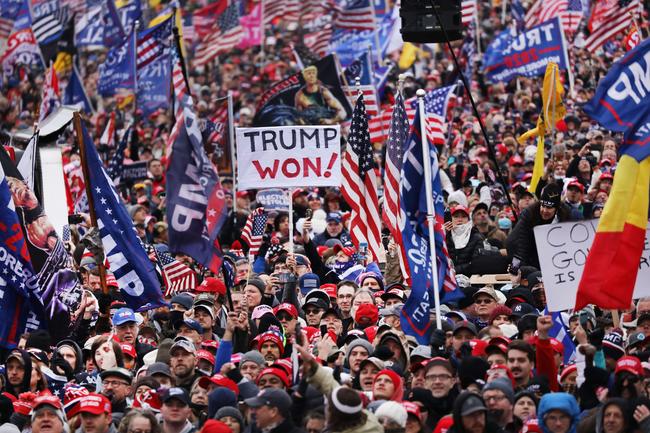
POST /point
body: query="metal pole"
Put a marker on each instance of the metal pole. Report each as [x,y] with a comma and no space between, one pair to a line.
[89,196]
[231,139]
[290,192]
[431,211]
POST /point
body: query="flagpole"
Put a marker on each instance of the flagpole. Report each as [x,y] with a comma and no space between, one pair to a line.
[290,192]
[478,33]
[431,211]
[89,196]
[262,33]
[231,139]
[504,4]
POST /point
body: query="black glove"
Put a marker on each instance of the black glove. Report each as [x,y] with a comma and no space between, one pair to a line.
[595,338]
[438,339]
[465,350]
[235,375]
[60,366]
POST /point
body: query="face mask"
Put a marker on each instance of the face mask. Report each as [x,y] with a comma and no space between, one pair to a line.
[340,267]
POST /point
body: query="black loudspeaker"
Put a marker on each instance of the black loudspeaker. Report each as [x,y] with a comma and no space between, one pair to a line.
[419,22]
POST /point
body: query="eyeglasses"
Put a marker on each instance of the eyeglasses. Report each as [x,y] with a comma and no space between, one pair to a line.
[494,398]
[484,301]
[285,317]
[114,383]
[437,377]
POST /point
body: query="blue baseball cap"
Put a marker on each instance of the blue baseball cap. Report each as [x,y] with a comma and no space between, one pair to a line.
[124,315]
[190,323]
[308,282]
[333,216]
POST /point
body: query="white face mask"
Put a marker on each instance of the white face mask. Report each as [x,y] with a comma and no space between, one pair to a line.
[105,357]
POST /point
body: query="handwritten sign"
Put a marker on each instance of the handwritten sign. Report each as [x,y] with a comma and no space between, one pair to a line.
[563,249]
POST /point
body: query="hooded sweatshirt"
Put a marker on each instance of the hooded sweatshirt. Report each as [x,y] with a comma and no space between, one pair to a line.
[79,364]
[27,364]
[558,401]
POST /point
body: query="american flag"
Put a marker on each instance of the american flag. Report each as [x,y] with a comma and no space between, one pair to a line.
[203,19]
[286,10]
[468,8]
[254,230]
[359,184]
[225,35]
[436,125]
[356,15]
[177,276]
[215,129]
[6,25]
[182,99]
[369,94]
[518,14]
[397,137]
[379,124]
[50,99]
[152,42]
[569,11]
[619,20]
[318,41]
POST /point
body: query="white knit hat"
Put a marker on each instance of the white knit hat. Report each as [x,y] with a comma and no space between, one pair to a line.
[393,411]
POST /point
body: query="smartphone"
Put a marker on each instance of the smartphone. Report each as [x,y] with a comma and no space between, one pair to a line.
[363,252]
[323,331]
[299,336]
[308,213]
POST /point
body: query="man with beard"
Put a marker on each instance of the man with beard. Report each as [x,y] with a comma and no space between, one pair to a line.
[116,384]
[499,397]
[183,363]
[440,380]
[628,378]
[487,228]
[520,359]
[270,346]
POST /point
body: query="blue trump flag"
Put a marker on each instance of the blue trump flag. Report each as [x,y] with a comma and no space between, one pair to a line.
[114,33]
[118,72]
[196,208]
[621,101]
[75,94]
[135,273]
[17,279]
[154,67]
[89,30]
[415,237]
[527,53]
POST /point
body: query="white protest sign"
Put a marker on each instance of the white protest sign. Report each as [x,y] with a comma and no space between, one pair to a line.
[562,250]
[288,156]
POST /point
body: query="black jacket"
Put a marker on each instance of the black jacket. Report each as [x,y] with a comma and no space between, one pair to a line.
[521,241]
[462,257]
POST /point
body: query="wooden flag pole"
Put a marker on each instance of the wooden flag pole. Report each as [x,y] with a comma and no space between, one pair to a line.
[89,196]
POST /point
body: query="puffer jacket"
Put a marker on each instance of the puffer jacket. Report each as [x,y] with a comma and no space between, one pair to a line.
[462,257]
[558,401]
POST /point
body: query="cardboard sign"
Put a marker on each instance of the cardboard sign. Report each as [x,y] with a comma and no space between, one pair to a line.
[562,249]
[289,156]
[273,199]
[134,171]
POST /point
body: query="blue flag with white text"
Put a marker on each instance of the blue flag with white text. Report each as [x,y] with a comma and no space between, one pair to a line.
[118,72]
[196,207]
[114,32]
[415,236]
[621,101]
[135,273]
[17,279]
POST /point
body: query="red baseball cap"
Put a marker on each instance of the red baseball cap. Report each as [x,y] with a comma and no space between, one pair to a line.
[498,343]
[95,404]
[287,308]
[47,399]
[576,184]
[128,349]
[631,364]
[367,313]
[212,285]
[205,355]
[460,208]
[330,289]
[277,372]
[219,380]
[210,344]
[412,409]
[478,347]
[515,160]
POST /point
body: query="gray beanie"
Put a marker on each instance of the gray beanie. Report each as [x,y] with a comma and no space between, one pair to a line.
[133,209]
[231,412]
[501,384]
[358,342]
[258,284]
[253,356]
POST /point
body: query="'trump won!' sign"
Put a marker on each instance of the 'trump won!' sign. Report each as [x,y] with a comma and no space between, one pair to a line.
[288,156]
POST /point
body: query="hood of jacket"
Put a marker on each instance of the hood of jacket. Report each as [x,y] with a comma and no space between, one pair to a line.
[558,401]
[79,364]
[27,364]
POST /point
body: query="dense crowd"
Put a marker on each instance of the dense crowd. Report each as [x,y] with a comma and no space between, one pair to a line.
[310,339]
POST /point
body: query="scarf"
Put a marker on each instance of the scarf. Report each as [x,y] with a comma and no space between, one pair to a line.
[460,234]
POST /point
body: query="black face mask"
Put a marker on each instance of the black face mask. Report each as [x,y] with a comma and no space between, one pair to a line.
[175,316]
[198,408]
[495,414]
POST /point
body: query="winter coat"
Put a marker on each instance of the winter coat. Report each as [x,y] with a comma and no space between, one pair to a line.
[558,401]
[521,241]
[490,427]
[462,257]
[79,363]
